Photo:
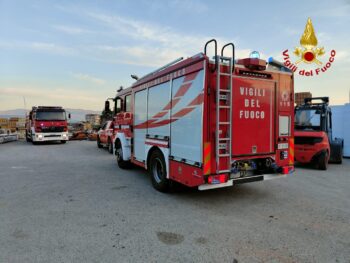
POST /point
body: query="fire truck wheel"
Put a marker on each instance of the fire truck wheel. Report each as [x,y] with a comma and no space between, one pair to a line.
[33,142]
[99,145]
[27,138]
[157,170]
[323,161]
[110,146]
[119,154]
[63,141]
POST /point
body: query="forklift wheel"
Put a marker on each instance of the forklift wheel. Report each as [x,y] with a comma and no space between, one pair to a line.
[340,160]
[322,161]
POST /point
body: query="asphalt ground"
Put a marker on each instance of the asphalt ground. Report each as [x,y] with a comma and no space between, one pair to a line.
[71,203]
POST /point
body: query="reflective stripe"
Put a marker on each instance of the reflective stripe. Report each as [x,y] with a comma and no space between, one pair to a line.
[207,158]
[291,151]
[160,142]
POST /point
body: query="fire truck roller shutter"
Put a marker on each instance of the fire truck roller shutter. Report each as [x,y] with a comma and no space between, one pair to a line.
[140,116]
[187,117]
[158,114]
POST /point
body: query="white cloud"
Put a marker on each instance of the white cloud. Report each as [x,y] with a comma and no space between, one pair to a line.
[194,6]
[154,56]
[63,96]
[89,78]
[341,11]
[51,48]
[57,93]
[39,47]
[156,45]
[71,30]
[181,6]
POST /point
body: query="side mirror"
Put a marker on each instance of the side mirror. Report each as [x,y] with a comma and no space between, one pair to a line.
[107,105]
[69,116]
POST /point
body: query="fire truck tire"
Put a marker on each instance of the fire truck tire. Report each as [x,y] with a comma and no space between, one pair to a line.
[322,161]
[99,145]
[27,137]
[63,141]
[119,154]
[33,142]
[110,146]
[157,171]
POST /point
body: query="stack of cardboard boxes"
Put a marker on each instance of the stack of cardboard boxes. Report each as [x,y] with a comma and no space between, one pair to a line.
[14,124]
[4,123]
[300,96]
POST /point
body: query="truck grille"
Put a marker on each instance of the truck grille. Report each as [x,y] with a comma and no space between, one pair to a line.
[307,140]
[52,129]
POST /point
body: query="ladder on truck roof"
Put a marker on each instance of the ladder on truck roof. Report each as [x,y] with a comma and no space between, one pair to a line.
[223,144]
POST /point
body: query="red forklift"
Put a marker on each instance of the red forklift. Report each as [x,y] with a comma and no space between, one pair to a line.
[314,142]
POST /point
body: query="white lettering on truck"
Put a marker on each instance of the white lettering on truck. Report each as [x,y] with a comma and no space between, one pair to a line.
[252,103]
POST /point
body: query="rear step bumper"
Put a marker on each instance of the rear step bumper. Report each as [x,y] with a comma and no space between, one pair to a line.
[250,179]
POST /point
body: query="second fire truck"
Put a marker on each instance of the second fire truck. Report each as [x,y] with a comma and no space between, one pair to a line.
[47,123]
[208,123]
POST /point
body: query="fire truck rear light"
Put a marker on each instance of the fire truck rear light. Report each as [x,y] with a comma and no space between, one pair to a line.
[287,169]
[283,155]
[217,179]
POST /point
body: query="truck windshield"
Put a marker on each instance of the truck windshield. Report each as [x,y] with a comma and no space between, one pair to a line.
[50,116]
[307,119]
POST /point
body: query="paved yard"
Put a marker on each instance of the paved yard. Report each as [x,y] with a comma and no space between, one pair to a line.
[71,203]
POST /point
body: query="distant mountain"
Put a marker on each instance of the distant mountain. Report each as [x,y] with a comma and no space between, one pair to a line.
[76,114]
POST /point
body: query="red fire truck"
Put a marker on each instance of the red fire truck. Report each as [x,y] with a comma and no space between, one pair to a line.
[208,123]
[46,123]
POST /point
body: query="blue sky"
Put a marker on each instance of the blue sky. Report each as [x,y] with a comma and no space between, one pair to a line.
[77,53]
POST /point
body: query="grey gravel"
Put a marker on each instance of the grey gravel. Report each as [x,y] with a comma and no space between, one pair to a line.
[71,203]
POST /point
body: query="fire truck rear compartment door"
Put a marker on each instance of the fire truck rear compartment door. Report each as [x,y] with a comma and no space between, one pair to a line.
[253,116]
[140,117]
[187,125]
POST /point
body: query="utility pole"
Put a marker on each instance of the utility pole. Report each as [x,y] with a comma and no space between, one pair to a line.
[25,106]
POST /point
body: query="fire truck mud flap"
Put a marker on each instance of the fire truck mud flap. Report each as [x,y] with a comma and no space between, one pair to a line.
[237,181]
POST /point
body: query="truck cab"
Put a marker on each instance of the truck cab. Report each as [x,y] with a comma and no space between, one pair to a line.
[314,141]
[47,123]
[105,136]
